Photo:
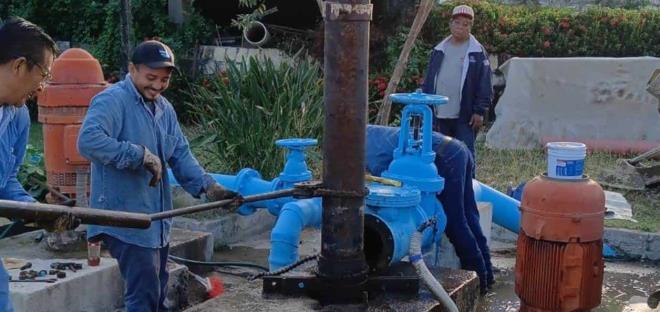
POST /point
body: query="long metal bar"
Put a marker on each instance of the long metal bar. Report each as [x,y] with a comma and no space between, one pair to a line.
[46,212]
[220,204]
[342,263]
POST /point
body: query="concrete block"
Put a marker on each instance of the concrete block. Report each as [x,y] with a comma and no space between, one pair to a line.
[97,288]
[653,249]
[215,57]
[448,257]
[92,289]
[192,245]
[501,234]
[576,99]
[232,228]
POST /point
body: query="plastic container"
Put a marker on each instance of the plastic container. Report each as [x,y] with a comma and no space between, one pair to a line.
[566,160]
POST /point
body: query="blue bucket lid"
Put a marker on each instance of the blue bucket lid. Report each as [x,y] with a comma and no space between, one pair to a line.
[389,196]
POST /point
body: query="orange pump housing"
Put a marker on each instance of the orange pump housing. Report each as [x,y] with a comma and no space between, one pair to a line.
[77,78]
[559,262]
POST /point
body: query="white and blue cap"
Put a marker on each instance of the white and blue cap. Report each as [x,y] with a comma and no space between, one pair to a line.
[153,54]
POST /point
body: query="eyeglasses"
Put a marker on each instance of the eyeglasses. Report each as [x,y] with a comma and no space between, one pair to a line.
[46,75]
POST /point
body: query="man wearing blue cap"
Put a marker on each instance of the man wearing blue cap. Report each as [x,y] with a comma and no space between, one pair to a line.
[26,57]
[129,133]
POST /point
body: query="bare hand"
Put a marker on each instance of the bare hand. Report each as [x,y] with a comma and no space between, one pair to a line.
[476,122]
[152,164]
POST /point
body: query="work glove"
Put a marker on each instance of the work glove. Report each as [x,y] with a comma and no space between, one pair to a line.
[152,163]
[216,192]
[60,224]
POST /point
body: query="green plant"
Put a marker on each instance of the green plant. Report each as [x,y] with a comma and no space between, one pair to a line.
[241,112]
[94,24]
[31,174]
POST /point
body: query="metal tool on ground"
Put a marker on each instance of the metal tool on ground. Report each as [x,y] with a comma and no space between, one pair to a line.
[45,280]
[73,266]
[212,284]
[634,174]
[382,180]
[46,212]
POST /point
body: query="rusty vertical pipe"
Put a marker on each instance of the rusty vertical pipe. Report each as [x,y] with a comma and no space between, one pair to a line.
[342,264]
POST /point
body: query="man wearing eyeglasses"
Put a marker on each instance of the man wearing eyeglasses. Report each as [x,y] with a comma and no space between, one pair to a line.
[459,69]
[26,57]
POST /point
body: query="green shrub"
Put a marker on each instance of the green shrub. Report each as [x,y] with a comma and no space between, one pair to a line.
[240,113]
[529,31]
[94,24]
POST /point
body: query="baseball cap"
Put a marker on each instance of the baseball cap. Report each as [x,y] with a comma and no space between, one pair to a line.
[464,10]
[153,54]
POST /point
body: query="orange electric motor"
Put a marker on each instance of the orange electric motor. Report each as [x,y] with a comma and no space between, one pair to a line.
[559,262]
[77,77]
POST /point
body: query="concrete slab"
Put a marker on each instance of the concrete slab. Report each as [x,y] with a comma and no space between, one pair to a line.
[92,289]
[241,295]
[95,288]
[602,99]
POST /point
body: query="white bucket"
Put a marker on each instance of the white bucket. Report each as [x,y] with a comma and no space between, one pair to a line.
[566,160]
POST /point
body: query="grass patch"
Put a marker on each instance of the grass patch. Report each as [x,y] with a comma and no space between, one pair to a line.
[501,168]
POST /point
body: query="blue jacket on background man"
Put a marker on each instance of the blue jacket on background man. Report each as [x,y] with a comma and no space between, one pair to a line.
[14,130]
[476,91]
[116,129]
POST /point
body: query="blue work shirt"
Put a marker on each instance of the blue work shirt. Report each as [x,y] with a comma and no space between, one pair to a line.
[14,130]
[117,127]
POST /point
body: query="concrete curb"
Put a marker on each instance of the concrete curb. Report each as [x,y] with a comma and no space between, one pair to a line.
[631,244]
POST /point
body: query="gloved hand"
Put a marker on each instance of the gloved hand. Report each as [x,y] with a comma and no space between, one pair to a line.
[61,224]
[152,163]
[216,192]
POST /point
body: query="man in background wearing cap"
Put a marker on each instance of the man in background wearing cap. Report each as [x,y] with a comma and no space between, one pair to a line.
[129,134]
[459,69]
[26,57]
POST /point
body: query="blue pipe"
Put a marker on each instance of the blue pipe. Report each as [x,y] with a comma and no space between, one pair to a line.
[506,210]
[285,237]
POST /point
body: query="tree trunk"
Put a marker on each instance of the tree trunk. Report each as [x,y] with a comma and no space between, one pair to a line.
[423,11]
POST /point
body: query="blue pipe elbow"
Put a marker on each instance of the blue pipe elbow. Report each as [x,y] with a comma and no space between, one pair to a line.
[285,237]
[506,210]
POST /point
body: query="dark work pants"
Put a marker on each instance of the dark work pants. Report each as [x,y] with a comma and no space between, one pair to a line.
[455,164]
[457,129]
[145,274]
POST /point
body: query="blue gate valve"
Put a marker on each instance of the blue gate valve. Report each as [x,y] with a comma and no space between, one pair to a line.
[413,162]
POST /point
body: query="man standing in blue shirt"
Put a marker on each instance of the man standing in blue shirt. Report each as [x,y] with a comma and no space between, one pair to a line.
[459,69]
[26,57]
[130,133]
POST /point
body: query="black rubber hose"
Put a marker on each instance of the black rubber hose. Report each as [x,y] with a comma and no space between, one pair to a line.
[219,264]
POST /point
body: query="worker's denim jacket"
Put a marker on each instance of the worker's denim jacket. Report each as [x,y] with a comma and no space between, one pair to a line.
[14,128]
[114,133]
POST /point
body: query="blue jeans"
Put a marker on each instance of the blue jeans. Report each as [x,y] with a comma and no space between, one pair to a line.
[145,274]
[455,164]
[457,129]
[5,302]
